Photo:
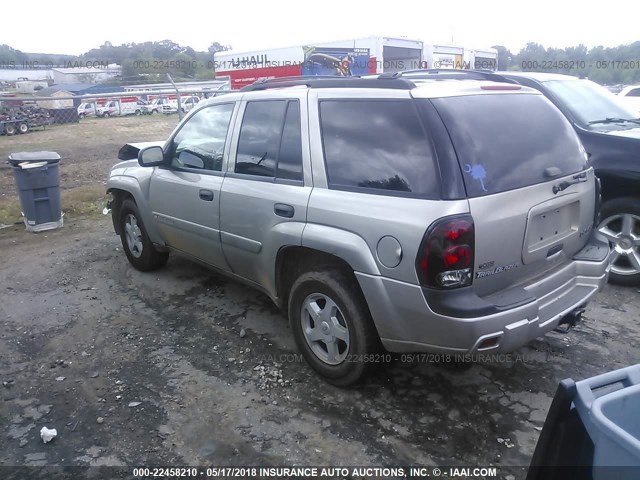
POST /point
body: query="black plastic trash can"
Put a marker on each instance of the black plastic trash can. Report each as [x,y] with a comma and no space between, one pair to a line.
[38,182]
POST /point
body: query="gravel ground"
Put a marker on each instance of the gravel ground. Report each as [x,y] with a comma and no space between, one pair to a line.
[183,367]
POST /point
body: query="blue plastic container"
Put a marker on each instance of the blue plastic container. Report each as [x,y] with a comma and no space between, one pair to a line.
[609,407]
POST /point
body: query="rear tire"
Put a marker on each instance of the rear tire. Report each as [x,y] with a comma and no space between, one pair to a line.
[621,225]
[332,326]
[23,128]
[135,241]
[10,129]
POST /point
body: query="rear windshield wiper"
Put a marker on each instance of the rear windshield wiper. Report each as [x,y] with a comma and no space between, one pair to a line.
[615,120]
[579,178]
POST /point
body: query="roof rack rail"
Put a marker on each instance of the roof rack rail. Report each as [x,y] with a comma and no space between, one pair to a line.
[447,74]
[328,81]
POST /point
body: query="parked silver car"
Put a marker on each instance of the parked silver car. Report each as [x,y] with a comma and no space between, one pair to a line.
[444,216]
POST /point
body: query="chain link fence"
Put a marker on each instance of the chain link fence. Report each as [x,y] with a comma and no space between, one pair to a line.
[87,131]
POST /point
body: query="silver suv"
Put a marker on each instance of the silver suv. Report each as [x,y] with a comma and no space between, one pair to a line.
[443,216]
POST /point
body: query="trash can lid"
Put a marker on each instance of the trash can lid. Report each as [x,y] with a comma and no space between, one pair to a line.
[34,156]
[19,157]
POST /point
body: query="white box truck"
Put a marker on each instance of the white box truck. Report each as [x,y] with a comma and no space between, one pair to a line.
[87,109]
[121,106]
[187,103]
[359,56]
[156,103]
[481,58]
[443,56]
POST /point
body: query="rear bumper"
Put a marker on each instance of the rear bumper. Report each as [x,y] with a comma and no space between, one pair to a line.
[407,323]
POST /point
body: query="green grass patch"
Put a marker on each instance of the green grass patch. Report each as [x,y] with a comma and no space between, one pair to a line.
[84,201]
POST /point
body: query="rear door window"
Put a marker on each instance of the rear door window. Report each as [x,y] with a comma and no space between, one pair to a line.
[270,144]
[378,146]
[260,138]
[508,141]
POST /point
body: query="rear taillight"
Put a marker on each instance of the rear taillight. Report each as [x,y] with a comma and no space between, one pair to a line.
[596,213]
[445,258]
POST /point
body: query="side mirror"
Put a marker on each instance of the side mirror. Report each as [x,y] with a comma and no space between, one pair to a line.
[151,156]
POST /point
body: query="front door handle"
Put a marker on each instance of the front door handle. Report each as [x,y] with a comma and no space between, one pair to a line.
[206,195]
[283,210]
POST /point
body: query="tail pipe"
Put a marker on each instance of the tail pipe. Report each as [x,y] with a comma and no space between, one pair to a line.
[571,319]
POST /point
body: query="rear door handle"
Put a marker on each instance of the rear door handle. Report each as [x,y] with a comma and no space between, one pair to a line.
[283,210]
[206,195]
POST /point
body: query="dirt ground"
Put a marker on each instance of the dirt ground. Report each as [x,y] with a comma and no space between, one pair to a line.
[183,367]
[88,148]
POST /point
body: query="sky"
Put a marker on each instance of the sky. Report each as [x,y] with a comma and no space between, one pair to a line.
[74,27]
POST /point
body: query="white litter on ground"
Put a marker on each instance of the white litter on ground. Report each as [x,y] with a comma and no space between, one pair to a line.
[48,434]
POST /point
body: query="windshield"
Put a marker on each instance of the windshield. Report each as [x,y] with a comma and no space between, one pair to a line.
[589,102]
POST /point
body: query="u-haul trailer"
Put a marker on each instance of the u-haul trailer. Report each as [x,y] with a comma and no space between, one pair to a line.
[443,56]
[481,58]
[359,56]
[120,106]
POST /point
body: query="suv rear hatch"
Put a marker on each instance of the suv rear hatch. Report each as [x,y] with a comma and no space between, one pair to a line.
[531,194]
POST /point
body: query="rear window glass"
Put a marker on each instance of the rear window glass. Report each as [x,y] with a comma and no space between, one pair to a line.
[504,142]
[377,146]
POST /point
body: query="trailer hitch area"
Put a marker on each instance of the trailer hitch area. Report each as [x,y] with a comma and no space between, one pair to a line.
[570,320]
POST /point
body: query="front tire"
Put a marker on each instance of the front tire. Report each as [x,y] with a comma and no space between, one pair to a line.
[621,225]
[23,128]
[10,129]
[332,326]
[135,241]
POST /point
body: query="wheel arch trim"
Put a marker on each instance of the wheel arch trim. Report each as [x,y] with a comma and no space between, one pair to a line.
[131,186]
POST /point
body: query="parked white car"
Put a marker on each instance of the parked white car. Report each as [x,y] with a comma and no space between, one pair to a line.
[631,97]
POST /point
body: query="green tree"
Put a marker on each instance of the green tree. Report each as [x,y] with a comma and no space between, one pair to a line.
[505,57]
[186,66]
[11,56]
[218,47]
